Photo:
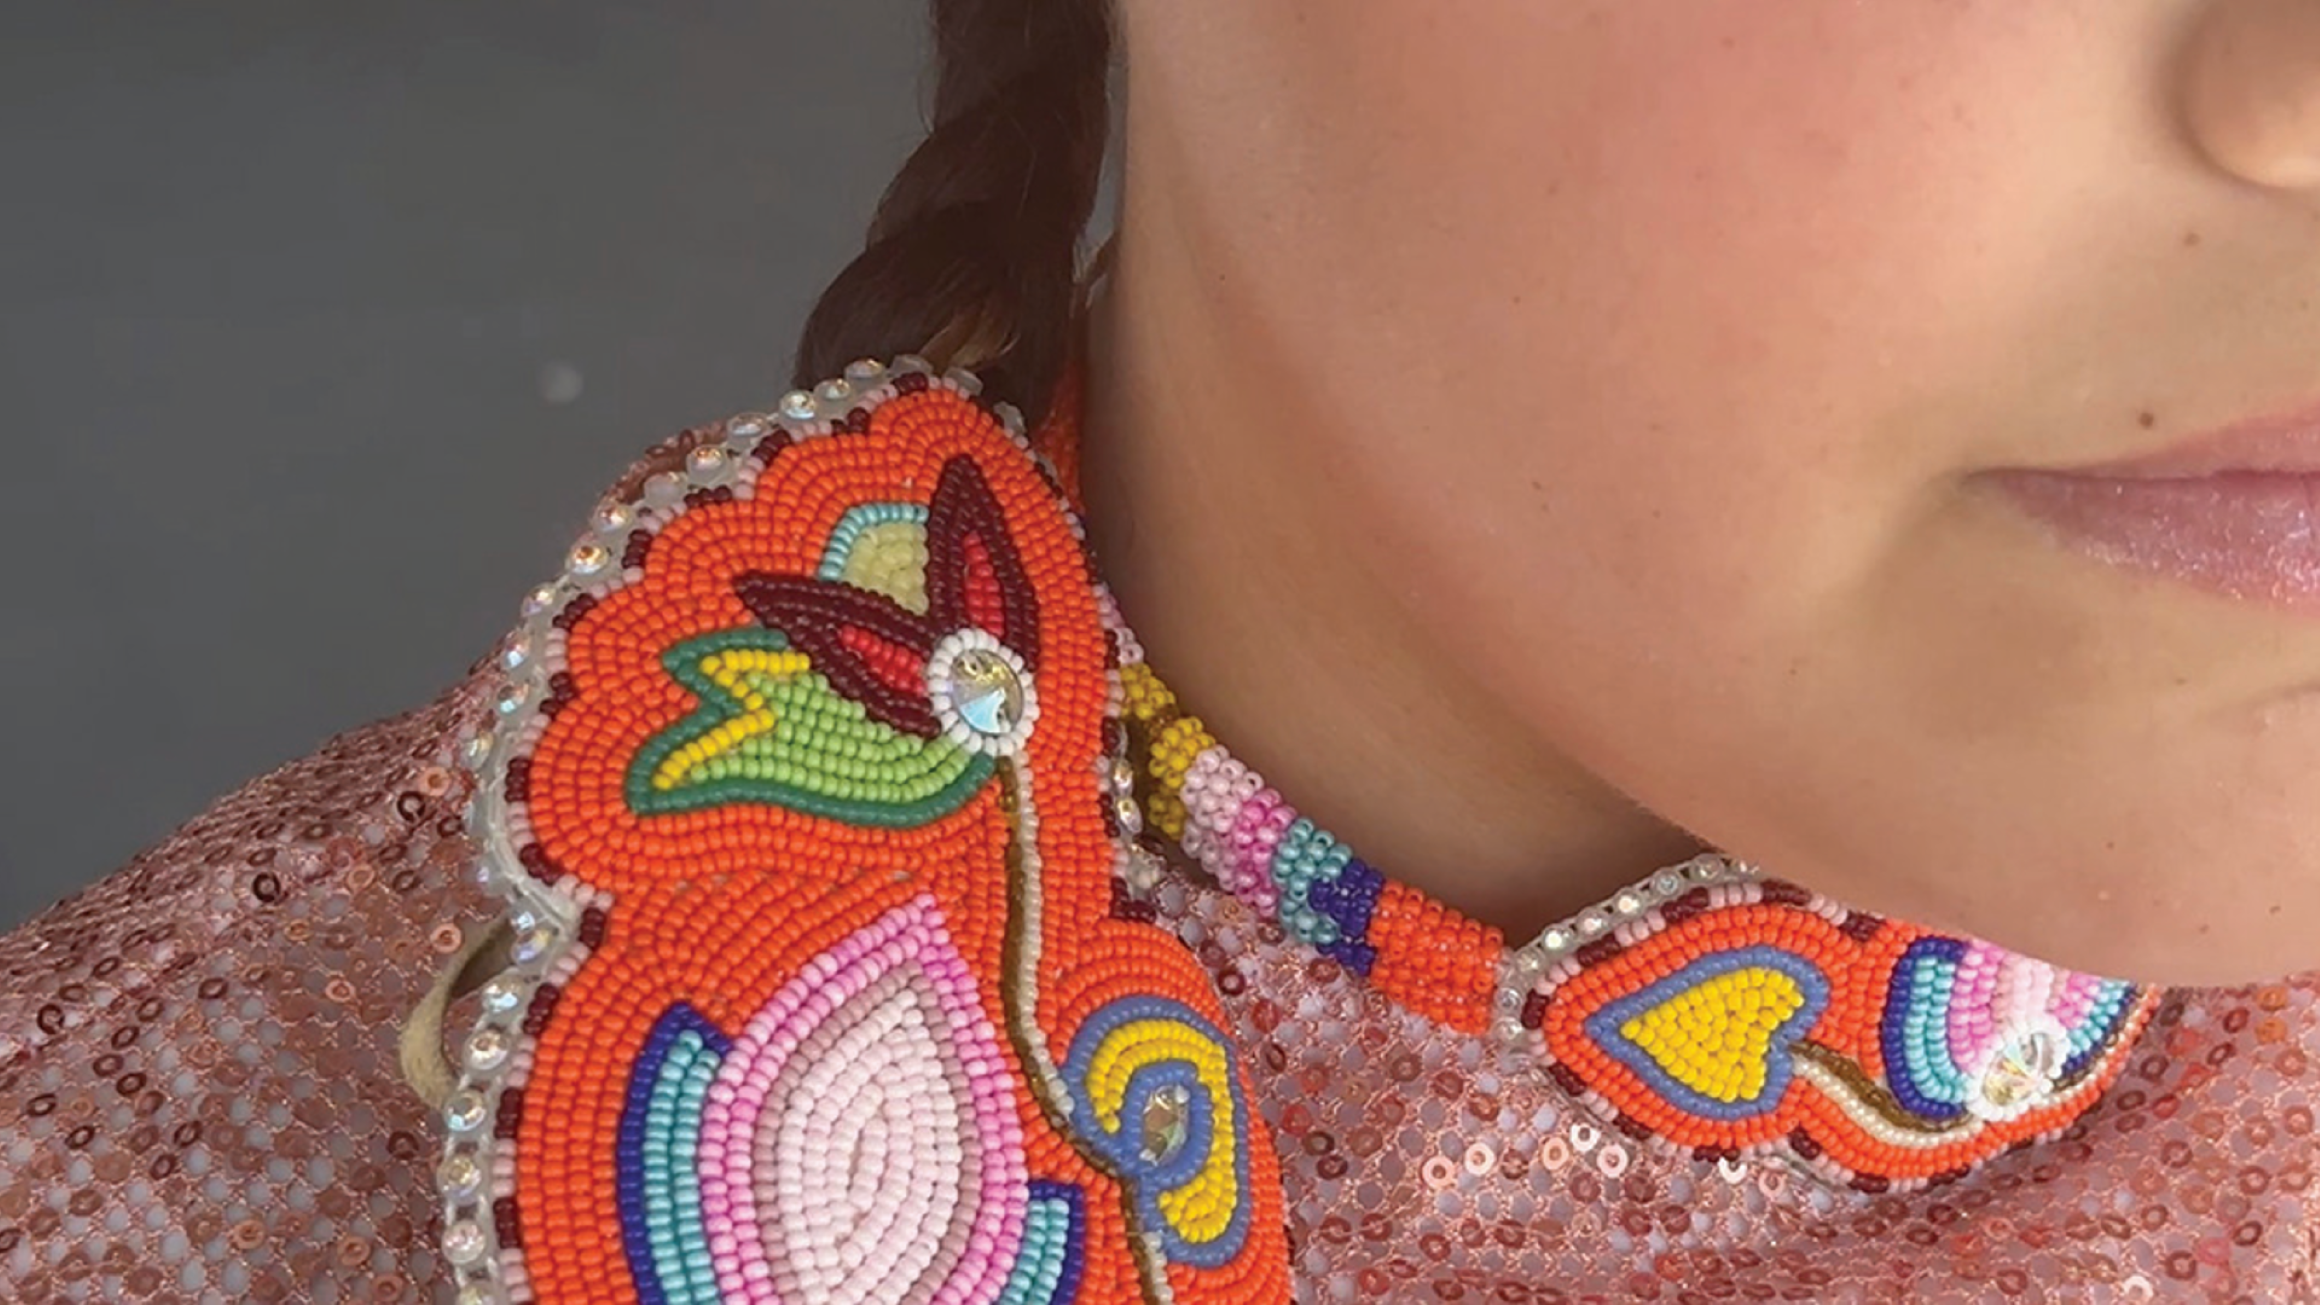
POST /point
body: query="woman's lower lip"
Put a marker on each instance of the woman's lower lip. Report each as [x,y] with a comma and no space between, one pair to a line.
[2248,535]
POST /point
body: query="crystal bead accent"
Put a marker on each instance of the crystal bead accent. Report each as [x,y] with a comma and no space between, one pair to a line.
[460,1177]
[516,653]
[1667,883]
[590,558]
[1555,940]
[865,371]
[2021,1075]
[1165,1125]
[613,516]
[833,391]
[1122,775]
[1628,904]
[986,692]
[664,489]
[1144,870]
[1129,814]
[463,1243]
[538,601]
[501,995]
[512,699]
[798,405]
[478,749]
[487,1050]
[706,460]
[747,428]
[465,1111]
[532,944]
[911,362]
[1591,924]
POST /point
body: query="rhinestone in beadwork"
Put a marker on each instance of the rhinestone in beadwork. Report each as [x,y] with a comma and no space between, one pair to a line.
[463,1243]
[460,1177]
[982,691]
[465,1112]
[487,1049]
[589,558]
[2021,1072]
[1166,1123]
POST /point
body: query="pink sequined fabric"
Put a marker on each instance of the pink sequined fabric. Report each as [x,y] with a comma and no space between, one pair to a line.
[199,1098]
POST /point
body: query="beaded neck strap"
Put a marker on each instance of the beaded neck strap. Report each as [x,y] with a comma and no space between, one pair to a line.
[818,786]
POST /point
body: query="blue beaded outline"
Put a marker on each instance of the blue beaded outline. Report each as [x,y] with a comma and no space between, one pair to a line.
[1145,1181]
[1914,1035]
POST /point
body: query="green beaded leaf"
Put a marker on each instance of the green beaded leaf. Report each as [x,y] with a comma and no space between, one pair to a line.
[770,729]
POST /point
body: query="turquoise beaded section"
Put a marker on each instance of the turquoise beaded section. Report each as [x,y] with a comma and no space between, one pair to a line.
[1307,857]
[1925,1033]
[1047,1268]
[2092,1035]
[666,1237]
[819,753]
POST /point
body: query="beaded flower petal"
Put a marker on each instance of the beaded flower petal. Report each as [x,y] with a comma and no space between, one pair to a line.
[820,990]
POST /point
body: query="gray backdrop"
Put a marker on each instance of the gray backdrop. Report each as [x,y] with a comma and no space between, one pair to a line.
[321,326]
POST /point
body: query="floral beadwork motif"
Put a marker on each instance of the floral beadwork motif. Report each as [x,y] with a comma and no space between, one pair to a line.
[1708,1011]
[799,795]
[1159,1079]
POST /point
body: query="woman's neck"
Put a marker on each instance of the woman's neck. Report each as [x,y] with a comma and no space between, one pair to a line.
[1232,558]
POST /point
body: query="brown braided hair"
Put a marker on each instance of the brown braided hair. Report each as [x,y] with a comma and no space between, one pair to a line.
[973,256]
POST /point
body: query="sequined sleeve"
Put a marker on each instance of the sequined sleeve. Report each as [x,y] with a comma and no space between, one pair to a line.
[198,1087]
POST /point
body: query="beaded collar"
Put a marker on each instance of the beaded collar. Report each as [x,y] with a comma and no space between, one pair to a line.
[826,788]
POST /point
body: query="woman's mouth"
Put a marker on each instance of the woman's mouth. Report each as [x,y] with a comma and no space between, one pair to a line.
[2235,511]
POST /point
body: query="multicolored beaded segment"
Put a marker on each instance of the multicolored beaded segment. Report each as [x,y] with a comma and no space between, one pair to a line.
[803,796]
[1709,1010]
